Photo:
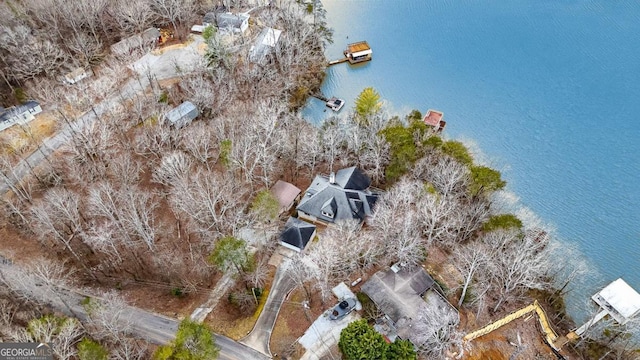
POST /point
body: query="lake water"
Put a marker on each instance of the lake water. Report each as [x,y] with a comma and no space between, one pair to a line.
[548,92]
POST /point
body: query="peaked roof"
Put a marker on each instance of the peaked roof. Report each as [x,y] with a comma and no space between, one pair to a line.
[229,20]
[285,193]
[352,178]
[297,233]
[184,112]
[347,198]
[398,294]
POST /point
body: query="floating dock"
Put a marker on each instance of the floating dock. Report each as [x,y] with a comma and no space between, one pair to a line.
[334,103]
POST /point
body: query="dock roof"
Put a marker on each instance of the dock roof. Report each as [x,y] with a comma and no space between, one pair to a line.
[433,118]
[620,300]
[358,46]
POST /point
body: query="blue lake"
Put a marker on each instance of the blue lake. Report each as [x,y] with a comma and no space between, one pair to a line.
[548,92]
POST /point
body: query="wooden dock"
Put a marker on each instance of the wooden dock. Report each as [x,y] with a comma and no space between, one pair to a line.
[339,61]
[320,97]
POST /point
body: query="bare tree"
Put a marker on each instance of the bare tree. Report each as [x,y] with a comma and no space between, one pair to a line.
[138,207]
[174,169]
[12,179]
[62,333]
[301,275]
[200,143]
[521,262]
[210,200]
[132,16]
[173,11]
[87,48]
[27,55]
[448,177]
[128,349]
[471,258]
[434,332]
[57,217]
[395,224]
[109,319]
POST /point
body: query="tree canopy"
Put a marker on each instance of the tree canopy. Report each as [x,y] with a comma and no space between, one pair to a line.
[193,342]
[91,350]
[502,221]
[265,206]
[458,151]
[485,180]
[367,104]
[360,341]
[231,253]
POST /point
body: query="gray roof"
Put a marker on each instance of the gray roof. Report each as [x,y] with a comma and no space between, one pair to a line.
[182,114]
[230,21]
[398,294]
[348,198]
[297,233]
[10,113]
[209,18]
[352,178]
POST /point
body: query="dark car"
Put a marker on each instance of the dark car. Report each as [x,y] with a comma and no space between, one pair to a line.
[342,309]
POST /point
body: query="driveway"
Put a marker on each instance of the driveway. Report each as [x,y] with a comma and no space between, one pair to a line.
[259,337]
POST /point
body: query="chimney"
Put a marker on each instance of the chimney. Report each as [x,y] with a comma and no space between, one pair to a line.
[332,178]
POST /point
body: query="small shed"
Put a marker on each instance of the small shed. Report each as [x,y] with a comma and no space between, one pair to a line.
[620,300]
[297,234]
[76,75]
[286,194]
[182,115]
[145,40]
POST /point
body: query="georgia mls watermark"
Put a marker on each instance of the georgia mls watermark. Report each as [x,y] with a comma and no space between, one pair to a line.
[25,351]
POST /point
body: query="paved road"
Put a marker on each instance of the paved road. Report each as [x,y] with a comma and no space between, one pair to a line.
[164,66]
[152,327]
[259,337]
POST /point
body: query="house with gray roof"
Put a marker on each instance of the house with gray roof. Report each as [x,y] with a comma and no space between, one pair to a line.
[234,23]
[182,115]
[345,195]
[405,296]
[297,234]
[20,114]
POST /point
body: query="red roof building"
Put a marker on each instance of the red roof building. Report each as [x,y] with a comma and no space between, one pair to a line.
[433,118]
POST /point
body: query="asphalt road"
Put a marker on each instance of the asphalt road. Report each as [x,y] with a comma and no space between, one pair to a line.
[152,327]
[165,66]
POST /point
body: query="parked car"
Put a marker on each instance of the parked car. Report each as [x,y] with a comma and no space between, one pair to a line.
[342,309]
